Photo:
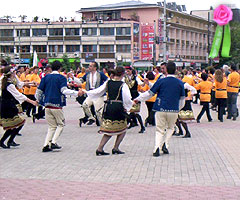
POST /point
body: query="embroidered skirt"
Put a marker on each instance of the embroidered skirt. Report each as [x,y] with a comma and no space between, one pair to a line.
[114,119]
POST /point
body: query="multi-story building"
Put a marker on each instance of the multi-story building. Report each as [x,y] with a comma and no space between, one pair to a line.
[124,32]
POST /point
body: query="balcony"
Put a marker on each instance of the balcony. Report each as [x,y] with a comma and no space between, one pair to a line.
[106,55]
[123,37]
[60,38]
[72,37]
[7,39]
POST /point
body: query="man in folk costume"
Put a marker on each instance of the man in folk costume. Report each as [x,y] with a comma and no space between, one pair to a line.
[51,92]
[170,98]
[93,80]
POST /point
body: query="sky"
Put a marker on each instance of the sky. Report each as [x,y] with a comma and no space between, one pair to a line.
[54,9]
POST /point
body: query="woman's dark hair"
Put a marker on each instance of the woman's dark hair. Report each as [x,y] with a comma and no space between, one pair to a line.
[150,76]
[171,68]
[219,75]
[56,65]
[6,75]
[204,76]
[119,71]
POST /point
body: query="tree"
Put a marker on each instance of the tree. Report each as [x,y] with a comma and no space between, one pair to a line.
[35,19]
[66,64]
[235,42]
[235,45]
[23,17]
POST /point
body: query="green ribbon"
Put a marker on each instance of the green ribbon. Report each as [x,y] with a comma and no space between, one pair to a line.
[216,42]
[226,42]
[226,45]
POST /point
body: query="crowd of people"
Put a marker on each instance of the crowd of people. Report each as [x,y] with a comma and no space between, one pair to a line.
[112,99]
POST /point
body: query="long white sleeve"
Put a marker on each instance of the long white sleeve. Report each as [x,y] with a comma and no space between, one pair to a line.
[20,84]
[190,88]
[98,92]
[127,98]
[17,95]
[77,80]
[144,96]
[67,91]
[181,102]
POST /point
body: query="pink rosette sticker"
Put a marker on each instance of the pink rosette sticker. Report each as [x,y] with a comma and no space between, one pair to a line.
[222,15]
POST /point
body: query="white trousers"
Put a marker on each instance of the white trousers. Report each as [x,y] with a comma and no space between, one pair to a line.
[98,105]
[56,122]
[165,122]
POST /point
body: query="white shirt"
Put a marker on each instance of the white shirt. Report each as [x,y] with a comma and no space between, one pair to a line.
[93,80]
[126,95]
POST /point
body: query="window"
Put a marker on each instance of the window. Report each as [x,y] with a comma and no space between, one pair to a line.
[24,49]
[40,48]
[72,31]
[7,49]
[39,32]
[89,48]
[89,31]
[124,48]
[106,31]
[55,31]
[23,32]
[124,31]
[6,32]
[72,48]
[106,48]
[55,48]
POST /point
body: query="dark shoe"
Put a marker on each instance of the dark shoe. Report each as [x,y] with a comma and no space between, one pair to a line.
[229,117]
[114,151]
[234,118]
[221,120]
[132,125]
[13,144]
[164,149]
[90,122]
[19,134]
[80,122]
[156,153]
[198,121]
[4,146]
[210,120]
[101,153]
[46,149]
[188,135]
[180,133]
[55,146]
[142,130]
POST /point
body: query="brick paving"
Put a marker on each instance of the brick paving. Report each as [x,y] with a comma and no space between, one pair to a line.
[204,166]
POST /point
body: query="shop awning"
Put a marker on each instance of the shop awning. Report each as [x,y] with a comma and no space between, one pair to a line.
[142,64]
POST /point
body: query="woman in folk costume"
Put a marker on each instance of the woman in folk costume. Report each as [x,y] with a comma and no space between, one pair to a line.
[9,97]
[186,112]
[221,93]
[133,82]
[114,114]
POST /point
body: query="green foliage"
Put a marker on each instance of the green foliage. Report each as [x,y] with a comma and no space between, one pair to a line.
[235,42]
[31,61]
[66,64]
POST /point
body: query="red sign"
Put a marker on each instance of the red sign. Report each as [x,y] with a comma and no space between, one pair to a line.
[147,41]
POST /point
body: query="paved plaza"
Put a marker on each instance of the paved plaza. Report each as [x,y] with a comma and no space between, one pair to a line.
[206,166]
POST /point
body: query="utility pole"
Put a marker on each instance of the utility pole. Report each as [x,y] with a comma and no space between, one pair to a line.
[164,33]
[154,45]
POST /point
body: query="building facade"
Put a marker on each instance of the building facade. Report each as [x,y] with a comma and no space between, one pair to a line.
[117,33]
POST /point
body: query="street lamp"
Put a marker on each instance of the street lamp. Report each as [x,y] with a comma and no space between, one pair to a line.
[209,33]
